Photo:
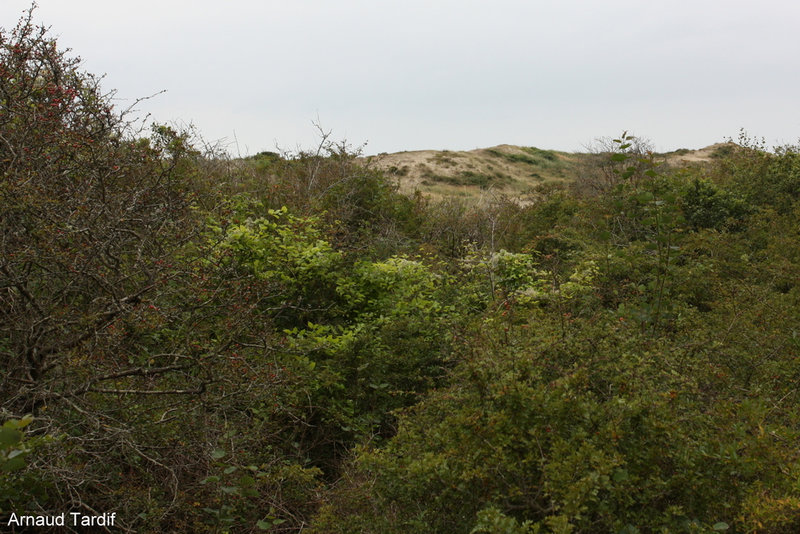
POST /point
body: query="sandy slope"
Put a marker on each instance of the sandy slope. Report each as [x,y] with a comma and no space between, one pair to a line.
[504,169]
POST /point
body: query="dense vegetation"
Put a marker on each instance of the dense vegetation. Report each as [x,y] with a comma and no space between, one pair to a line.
[286,343]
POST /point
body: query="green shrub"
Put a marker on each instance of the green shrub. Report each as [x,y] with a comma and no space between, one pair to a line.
[706,206]
[594,434]
[761,177]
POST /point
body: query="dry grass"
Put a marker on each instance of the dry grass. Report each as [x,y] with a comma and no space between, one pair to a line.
[511,170]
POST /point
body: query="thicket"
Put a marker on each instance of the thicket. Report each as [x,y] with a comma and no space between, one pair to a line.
[285,343]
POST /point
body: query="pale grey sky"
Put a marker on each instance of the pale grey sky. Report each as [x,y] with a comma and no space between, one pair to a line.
[407,75]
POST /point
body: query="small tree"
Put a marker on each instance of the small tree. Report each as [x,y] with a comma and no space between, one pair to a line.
[91,215]
[613,161]
[88,212]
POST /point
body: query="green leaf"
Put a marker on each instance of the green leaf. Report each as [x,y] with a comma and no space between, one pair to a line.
[9,436]
[721,526]
[264,525]
[17,424]
[14,464]
[15,453]
[218,453]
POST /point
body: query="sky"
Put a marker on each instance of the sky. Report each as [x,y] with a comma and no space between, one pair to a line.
[255,75]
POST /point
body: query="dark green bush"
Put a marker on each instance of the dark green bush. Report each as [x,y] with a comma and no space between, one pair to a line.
[706,206]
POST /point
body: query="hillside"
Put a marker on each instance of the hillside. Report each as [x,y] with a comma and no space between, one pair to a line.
[514,170]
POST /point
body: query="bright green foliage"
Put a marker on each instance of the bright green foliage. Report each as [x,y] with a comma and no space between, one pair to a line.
[289,254]
[390,350]
[493,521]
[289,250]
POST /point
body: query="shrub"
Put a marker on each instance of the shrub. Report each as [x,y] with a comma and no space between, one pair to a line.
[706,206]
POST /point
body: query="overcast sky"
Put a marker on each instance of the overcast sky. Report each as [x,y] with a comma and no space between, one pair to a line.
[408,75]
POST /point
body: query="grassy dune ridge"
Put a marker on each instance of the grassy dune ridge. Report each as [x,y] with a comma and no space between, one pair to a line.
[512,170]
